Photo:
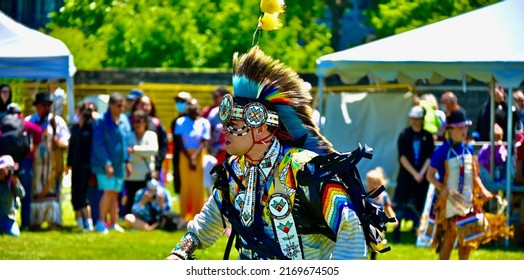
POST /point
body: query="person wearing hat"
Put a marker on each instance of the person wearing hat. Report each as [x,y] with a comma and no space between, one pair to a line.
[460,194]
[415,147]
[14,108]
[133,95]
[10,188]
[270,136]
[48,164]
[182,100]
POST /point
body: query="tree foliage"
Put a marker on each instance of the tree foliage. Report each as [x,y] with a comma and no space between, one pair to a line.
[89,52]
[206,33]
[397,16]
[184,34]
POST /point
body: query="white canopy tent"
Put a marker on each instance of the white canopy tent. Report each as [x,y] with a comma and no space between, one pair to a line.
[482,44]
[27,53]
[485,44]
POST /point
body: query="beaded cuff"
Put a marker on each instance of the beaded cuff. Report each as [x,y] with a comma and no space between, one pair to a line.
[186,246]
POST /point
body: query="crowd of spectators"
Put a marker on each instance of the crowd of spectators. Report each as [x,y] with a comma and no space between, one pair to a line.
[428,149]
[115,159]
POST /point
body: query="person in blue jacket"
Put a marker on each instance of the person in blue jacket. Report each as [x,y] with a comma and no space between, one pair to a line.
[110,160]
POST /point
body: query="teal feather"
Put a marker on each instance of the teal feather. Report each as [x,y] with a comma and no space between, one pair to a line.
[245,87]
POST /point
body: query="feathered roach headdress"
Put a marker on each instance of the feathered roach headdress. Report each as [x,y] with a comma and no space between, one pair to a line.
[267,91]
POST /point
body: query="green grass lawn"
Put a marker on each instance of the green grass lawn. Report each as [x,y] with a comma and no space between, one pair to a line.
[73,244]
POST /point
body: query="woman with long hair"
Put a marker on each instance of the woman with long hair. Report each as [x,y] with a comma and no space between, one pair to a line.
[142,149]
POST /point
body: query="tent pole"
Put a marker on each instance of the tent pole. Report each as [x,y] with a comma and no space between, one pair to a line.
[70,99]
[320,103]
[492,130]
[509,158]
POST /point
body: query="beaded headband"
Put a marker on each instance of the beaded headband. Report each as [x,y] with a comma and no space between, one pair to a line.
[254,114]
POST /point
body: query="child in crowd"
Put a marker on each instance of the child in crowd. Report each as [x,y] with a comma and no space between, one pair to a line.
[10,188]
[374,179]
[501,154]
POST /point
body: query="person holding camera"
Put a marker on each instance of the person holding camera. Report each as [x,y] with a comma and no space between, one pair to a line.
[10,188]
[149,205]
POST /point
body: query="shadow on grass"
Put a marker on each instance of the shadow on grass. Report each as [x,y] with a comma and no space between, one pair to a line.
[61,229]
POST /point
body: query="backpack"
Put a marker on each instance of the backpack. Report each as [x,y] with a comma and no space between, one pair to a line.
[171,221]
[14,140]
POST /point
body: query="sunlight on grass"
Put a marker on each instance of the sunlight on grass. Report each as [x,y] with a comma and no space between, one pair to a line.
[72,244]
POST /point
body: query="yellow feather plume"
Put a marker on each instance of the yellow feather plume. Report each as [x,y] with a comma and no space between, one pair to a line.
[270,21]
[272,6]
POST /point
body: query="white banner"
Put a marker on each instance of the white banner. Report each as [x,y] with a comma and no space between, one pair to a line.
[213,270]
[375,119]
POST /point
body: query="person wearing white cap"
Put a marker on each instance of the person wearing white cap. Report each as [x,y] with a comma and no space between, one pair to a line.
[10,188]
[415,147]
